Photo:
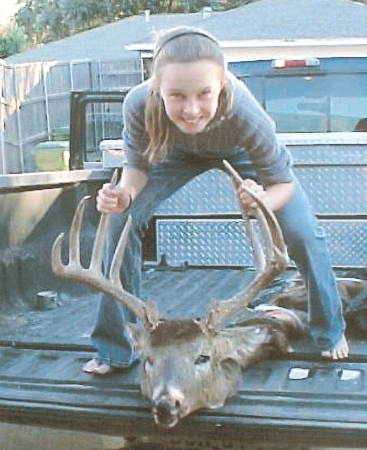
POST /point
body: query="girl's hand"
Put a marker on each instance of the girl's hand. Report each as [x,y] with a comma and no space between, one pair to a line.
[112,199]
[249,203]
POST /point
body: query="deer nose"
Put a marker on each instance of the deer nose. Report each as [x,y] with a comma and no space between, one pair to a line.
[168,392]
[172,397]
[167,410]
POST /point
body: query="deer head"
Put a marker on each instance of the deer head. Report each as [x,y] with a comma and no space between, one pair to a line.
[188,364]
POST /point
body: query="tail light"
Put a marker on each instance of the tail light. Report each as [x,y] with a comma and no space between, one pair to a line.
[295,63]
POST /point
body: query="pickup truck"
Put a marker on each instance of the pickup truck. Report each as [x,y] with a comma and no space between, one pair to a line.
[193,251]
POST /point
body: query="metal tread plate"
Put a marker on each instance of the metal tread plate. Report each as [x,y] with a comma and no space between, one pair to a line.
[338,190]
[222,242]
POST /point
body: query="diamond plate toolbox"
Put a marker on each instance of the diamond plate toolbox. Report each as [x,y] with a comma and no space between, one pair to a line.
[200,224]
[222,242]
[339,190]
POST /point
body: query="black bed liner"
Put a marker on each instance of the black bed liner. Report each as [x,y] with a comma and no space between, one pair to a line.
[299,398]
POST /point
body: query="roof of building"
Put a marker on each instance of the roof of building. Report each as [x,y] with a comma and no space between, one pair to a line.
[262,19]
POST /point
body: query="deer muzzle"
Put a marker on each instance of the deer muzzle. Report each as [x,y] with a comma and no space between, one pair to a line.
[168,408]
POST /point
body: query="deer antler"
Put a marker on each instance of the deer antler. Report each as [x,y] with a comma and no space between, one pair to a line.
[276,259]
[93,276]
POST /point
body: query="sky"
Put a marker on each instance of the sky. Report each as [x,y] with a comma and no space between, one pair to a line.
[7,10]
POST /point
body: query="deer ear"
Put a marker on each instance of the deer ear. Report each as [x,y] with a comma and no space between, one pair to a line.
[138,337]
[228,372]
[230,367]
[243,344]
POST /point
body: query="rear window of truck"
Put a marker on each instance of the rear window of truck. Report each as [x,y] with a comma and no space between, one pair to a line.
[312,101]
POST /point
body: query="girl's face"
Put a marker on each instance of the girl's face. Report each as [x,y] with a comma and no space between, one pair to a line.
[190,92]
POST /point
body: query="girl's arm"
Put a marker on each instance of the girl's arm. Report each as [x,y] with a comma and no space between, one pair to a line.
[116,199]
[274,196]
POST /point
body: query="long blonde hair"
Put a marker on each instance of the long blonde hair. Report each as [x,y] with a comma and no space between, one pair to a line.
[179,45]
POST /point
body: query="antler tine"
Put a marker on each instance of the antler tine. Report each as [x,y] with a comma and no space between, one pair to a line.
[93,276]
[275,255]
[268,223]
[255,244]
[58,267]
[257,250]
[119,253]
[101,235]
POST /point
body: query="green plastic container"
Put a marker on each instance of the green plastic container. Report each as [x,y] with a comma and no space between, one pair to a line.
[60,134]
[51,156]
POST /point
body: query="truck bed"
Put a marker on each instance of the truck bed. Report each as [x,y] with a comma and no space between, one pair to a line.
[292,401]
[286,403]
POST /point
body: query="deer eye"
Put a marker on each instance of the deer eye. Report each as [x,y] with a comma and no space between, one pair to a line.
[202,359]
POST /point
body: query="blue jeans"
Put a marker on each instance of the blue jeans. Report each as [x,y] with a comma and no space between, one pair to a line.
[305,240]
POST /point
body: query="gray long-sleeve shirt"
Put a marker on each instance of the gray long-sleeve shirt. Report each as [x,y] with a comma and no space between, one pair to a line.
[247,127]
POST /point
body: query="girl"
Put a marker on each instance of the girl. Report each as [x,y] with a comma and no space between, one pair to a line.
[189,116]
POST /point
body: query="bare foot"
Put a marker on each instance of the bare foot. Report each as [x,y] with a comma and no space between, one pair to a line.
[340,351]
[96,368]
